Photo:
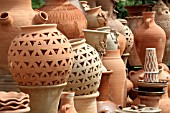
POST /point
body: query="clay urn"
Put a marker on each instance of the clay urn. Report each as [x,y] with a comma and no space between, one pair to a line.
[69,19]
[150,35]
[13,15]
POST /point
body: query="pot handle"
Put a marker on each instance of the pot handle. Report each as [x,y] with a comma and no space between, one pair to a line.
[64,108]
[5,18]
[148,22]
[131,73]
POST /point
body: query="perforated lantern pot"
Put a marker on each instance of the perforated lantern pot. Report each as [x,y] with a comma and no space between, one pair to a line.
[87,69]
[40,55]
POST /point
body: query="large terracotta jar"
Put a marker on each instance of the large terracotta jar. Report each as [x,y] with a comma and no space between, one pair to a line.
[69,19]
[104,105]
[162,18]
[150,35]
[41,55]
[117,83]
[87,69]
[13,15]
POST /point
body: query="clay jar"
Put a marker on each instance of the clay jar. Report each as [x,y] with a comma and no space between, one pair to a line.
[104,105]
[67,103]
[69,19]
[87,69]
[40,55]
[150,35]
[95,19]
[162,18]
[13,15]
[117,82]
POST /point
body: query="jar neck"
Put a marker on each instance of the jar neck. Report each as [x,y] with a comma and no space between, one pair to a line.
[16,4]
[147,15]
[57,2]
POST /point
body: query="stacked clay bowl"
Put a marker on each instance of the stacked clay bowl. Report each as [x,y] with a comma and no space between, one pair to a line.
[11,102]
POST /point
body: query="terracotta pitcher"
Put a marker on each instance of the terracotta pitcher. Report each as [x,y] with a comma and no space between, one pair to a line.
[13,15]
[150,35]
[117,82]
[67,103]
[69,19]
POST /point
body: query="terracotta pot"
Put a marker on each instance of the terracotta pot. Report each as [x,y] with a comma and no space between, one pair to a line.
[87,69]
[69,19]
[67,103]
[96,39]
[95,18]
[128,35]
[112,38]
[117,83]
[45,58]
[44,99]
[86,103]
[137,10]
[162,18]
[134,22]
[13,15]
[104,105]
[122,43]
[150,35]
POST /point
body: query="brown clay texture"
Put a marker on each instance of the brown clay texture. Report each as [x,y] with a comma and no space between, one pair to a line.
[69,19]
[40,55]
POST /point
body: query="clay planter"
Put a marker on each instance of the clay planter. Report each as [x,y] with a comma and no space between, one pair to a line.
[96,39]
[44,99]
[104,105]
[67,103]
[162,18]
[86,103]
[40,55]
[69,19]
[95,19]
[13,15]
[117,82]
[87,69]
[150,35]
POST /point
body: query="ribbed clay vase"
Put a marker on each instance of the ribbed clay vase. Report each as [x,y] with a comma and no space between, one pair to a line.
[150,35]
[67,103]
[117,83]
[162,18]
[41,55]
[44,99]
[95,19]
[104,105]
[69,19]
[87,69]
[86,103]
[13,15]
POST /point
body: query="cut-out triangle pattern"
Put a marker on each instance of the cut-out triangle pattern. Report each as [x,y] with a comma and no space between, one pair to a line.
[86,73]
[40,59]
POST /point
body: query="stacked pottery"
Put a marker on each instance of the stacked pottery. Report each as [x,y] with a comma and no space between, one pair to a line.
[13,15]
[40,60]
[85,77]
[96,18]
[150,35]
[67,103]
[162,18]
[69,19]
[11,102]
[104,105]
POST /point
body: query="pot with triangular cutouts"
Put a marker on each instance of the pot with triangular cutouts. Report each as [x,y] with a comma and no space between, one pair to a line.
[87,69]
[41,55]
